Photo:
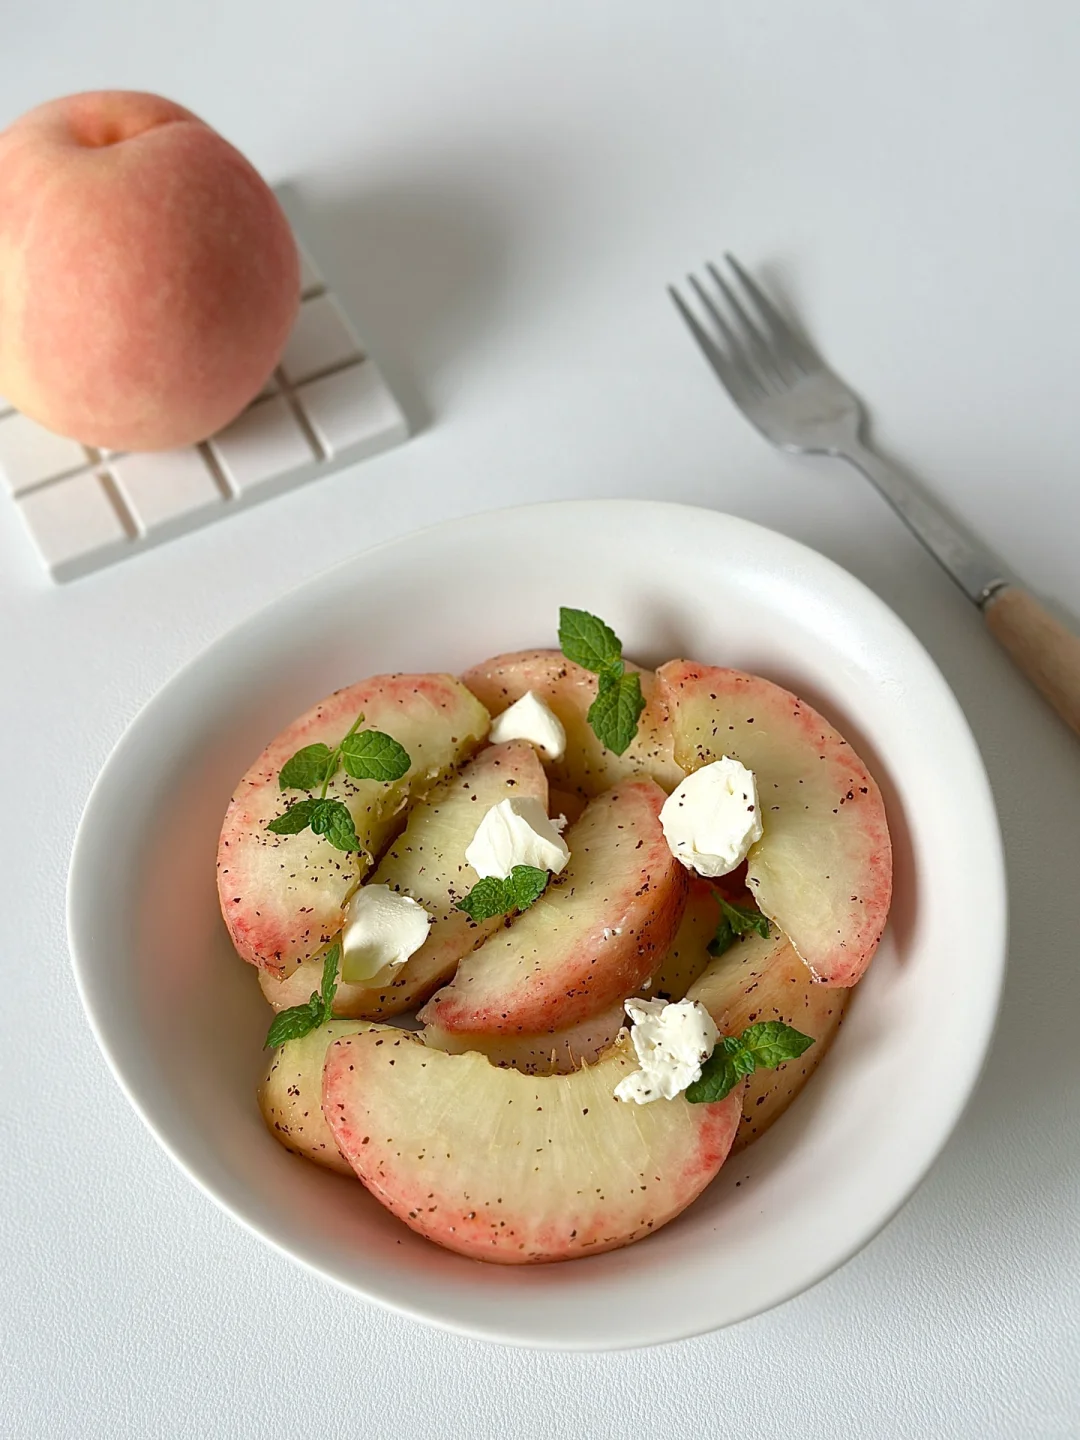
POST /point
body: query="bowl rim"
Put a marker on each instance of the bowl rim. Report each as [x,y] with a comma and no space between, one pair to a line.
[965,1079]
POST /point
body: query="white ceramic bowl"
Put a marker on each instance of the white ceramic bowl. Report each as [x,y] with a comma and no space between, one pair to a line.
[181,1020]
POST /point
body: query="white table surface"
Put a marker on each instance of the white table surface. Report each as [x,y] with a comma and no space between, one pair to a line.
[509,187]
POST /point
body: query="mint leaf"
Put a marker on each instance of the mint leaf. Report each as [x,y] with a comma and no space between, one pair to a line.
[526,884]
[494,896]
[300,1020]
[371,755]
[307,768]
[294,1023]
[615,712]
[329,980]
[332,819]
[719,1074]
[736,920]
[296,818]
[759,1047]
[487,898]
[771,1042]
[587,641]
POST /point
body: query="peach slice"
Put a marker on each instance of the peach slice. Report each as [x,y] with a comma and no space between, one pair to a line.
[822,871]
[549,1052]
[590,939]
[587,767]
[290,1095]
[512,1168]
[427,862]
[764,979]
[557,1052]
[688,954]
[282,895]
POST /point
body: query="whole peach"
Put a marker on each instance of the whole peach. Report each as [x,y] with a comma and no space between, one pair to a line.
[148,277]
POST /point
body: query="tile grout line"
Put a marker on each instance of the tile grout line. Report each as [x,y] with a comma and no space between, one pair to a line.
[300,416]
[107,480]
[87,468]
[221,480]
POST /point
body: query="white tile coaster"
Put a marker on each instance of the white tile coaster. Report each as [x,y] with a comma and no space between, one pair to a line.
[263,445]
[166,489]
[320,340]
[310,278]
[30,454]
[76,525]
[350,409]
[325,407]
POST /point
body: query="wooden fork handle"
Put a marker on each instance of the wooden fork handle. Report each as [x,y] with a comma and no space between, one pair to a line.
[1047,653]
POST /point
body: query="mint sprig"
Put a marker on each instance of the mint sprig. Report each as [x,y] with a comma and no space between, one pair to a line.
[615,712]
[494,896]
[300,1020]
[736,920]
[588,641]
[763,1046]
[364,754]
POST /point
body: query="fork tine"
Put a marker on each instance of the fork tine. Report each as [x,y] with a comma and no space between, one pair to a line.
[751,326]
[734,344]
[725,370]
[769,357]
[787,339]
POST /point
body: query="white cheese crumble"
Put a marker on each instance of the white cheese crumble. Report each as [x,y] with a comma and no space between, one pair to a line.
[713,818]
[516,832]
[382,929]
[532,719]
[672,1042]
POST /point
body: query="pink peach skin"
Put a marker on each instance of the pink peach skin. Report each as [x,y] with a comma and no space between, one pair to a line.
[517,1169]
[148,276]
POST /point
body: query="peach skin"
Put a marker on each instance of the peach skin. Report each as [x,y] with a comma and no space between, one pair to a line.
[148,276]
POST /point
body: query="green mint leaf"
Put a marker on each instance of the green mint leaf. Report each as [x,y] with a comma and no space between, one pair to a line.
[719,1074]
[296,818]
[615,712]
[771,1042]
[587,641]
[526,884]
[329,980]
[294,1023]
[371,755]
[736,920]
[759,1047]
[724,938]
[307,768]
[487,898]
[493,896]
[332,819]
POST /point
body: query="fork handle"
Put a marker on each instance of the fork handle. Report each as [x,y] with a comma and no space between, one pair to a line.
[1037,644]
[1047,653]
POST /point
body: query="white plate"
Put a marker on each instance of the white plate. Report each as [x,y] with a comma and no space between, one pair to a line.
[181,1021]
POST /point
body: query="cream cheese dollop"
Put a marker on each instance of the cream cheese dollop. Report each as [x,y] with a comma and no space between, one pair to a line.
[713,818]
[672,1040]
[382,930]
[516,832]
[531,719]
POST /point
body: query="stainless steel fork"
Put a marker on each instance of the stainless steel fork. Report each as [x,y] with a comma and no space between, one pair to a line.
[786,390]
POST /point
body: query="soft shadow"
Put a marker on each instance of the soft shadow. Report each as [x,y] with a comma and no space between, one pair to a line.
[1033,762]
[421,262]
